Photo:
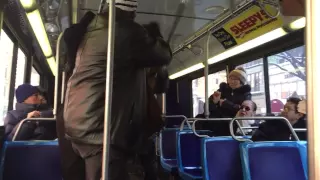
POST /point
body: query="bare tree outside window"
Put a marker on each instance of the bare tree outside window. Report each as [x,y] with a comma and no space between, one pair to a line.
[297,59]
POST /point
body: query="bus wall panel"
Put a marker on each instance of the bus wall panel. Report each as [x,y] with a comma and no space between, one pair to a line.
[179,98]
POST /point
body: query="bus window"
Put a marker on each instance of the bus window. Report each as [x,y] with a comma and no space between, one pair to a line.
[198,89]
[287,76]
[6,52]
[255,79]
[35,77]
[20,72]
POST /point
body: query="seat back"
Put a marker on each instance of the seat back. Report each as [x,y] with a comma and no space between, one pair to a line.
[274,160]
[174,122]
[189,150]
[168,143]
[36,160]
[221,159]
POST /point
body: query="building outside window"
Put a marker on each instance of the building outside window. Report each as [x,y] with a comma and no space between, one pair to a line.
[198,89]
[255,79]
[287,77]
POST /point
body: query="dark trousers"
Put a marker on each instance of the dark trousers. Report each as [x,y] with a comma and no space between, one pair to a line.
[84,161]
[148,161]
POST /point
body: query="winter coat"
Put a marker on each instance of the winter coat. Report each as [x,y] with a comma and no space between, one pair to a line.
[228,109]
[278,131]
[134,51]
[29,130]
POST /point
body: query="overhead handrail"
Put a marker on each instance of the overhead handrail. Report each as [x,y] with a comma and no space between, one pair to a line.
[217,22]
[211,119]
[294,134]
[29,119]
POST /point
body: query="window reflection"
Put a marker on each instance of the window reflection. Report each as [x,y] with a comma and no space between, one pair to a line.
[198,89]
[287,76]
[6,52]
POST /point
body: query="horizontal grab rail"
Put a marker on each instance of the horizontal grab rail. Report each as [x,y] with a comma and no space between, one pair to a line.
[211,119]
[178,116]
[300,129]
[29,119]
[294,134]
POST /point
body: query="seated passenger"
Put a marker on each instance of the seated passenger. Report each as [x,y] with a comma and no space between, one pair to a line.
[273,130]
[28,106]
[226,102]
[247,109]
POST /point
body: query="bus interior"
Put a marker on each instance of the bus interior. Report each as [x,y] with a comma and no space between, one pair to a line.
[209,39]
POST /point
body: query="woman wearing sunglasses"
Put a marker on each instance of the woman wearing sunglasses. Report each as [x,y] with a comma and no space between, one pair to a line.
[247,109]
[226,102]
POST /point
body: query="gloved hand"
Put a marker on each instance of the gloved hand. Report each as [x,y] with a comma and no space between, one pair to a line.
[153,29]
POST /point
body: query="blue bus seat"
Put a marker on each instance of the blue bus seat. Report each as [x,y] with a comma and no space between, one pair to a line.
[36,160]
[189,154]
[274,160]
[221,159]
[168,156]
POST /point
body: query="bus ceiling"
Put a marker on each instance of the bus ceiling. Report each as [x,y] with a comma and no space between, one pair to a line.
[249,26]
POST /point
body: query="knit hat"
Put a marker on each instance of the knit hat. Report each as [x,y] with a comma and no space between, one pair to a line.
[126,5]
[302,107]
[24,91]
[239,73]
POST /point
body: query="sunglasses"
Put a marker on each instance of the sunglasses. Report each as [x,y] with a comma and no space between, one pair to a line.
[246,108]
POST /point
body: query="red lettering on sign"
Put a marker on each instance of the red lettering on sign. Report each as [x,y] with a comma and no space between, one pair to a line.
[235,30]
[258,16]
[249,22]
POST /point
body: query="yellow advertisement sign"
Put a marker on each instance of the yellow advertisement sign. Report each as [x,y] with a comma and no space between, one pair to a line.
[249,24]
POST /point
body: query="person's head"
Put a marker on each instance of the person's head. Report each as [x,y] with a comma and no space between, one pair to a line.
[294,109]
[126,5]
[247,109]
[28,94]
[237,78]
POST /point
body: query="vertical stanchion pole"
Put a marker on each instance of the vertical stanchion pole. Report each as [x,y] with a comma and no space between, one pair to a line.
[1,14]
[164,104]
[313,86]
[57,77]
[206,80]
[109,85]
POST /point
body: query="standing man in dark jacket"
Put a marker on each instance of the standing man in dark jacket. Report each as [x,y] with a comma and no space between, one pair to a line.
[29,105]
[226,102]
[135,49]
